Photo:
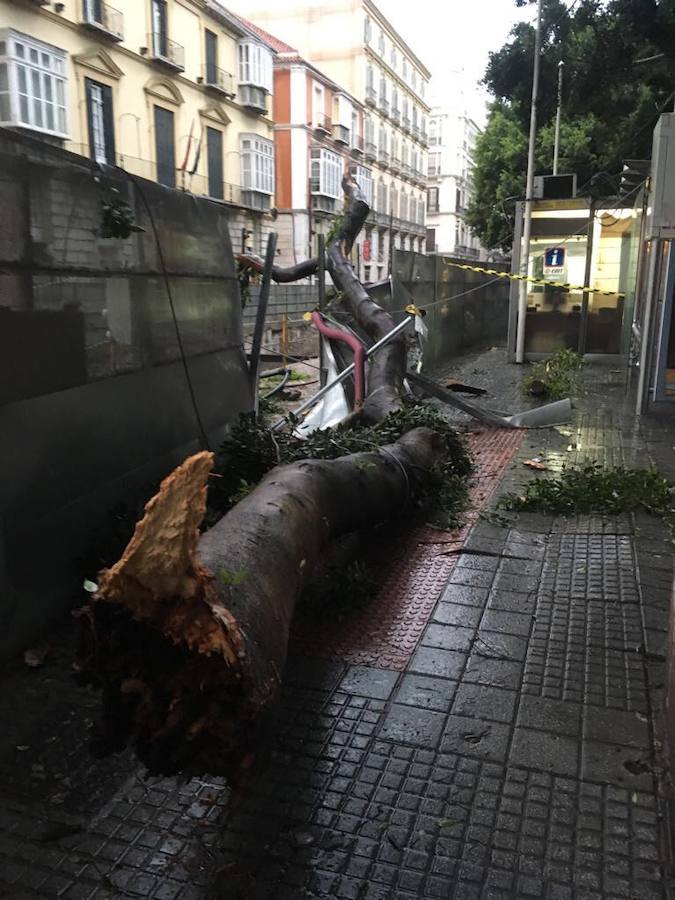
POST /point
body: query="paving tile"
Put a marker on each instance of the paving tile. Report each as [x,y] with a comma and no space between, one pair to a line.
[549,715]
[469,595]
[512,601]
[477,578]
[448,637]
[426,692]
[507,622]
[443,663]
[615,726]
[411,725]
[368,682]
[547,752]
[614,764]
[496,645]
[457,614]
[484,702]
[474,737]
[496,672]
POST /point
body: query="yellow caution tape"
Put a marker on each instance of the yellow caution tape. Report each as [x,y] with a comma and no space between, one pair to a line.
[539,281]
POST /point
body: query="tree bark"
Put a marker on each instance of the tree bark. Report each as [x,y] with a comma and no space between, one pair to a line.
[188,634]
[386,370]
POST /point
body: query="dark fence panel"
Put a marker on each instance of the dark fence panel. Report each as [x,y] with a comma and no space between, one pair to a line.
[95,403]
[464,309]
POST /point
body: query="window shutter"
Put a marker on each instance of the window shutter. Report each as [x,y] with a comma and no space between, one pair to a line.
[109,125]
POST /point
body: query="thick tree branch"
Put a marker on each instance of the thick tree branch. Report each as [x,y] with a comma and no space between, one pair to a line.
[280,274]
[387,370]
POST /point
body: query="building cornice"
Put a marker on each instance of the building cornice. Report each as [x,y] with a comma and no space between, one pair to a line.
[374,11]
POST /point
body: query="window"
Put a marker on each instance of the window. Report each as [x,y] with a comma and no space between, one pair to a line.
[32,84]
[214,158]
[405,69]
[160,33]
[434,166]
[383,142]
[458,200]
[394,201]
[367,30]
[381,44]
[395,108]
[319,107]
[413,208]
[395,153]
[404,206]
[165,150]
[364,178]
[255,65]
[414,80]
[257,164]
[393,59]
[382,197]
[326,174]
[370,131]
[100,121]
[211,54]
[434,129]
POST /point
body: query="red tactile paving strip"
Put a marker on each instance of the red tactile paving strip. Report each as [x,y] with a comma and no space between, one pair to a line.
[385,633]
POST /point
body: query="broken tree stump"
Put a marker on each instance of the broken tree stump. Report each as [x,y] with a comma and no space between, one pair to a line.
[188,634]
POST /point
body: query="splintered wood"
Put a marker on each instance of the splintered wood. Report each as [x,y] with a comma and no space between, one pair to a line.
[159,580]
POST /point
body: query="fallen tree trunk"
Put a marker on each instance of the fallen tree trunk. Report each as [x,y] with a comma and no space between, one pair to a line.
[188,634]
[386,371]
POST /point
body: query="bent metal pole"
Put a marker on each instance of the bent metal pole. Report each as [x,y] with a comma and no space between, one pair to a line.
[345,373]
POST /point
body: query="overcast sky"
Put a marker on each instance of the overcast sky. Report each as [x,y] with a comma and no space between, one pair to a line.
[455,35]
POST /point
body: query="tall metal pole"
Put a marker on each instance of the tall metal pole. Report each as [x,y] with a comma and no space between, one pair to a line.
[529,190]
[556,146]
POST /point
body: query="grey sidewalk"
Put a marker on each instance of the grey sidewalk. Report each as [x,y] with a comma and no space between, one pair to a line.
[514,758]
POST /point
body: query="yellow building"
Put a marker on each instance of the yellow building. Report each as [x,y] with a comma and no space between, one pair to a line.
[177,91]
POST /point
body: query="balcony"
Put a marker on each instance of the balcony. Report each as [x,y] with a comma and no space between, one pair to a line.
[395,165]
[406,170]
[415,131]
[218,80]
[424,138]
[357,145]
[253,97]
[371,96]
[371,151]
[405,123]
[341,134]
[167,52]
[395,114]
[103,19]
[323,123]
[323,204]
[384,158]
[384,105]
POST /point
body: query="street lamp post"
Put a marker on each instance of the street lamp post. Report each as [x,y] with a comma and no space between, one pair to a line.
[556,146]
[529,200]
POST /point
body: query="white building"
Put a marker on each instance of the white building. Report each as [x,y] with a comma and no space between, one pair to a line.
[452,138]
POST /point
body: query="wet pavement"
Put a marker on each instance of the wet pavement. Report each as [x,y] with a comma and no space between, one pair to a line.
[495,735]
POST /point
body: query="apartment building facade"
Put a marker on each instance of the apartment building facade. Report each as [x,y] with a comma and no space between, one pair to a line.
[359,50]
[177,91]
[452,138]
[318,138]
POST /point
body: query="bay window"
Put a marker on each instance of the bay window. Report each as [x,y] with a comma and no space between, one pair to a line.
[33,84]
[255,65]
[326,173]
[257,166]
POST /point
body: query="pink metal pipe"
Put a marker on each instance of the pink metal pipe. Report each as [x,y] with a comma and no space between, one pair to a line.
[335,334]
